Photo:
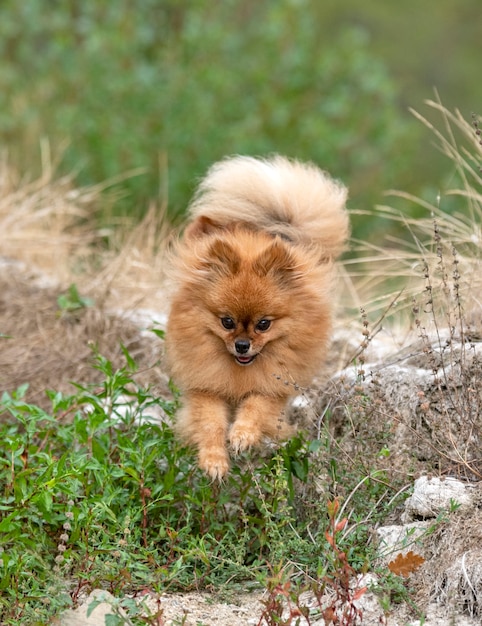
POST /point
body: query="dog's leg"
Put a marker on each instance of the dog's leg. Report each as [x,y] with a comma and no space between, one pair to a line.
[258,416]
[203,422]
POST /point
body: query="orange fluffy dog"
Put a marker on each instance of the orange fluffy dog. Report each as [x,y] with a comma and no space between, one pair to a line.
[251,317]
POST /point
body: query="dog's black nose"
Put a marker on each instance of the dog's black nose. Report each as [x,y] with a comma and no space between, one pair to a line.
[242,346]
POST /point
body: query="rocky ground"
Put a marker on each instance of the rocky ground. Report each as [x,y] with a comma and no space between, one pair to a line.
[197,609]
[419,387]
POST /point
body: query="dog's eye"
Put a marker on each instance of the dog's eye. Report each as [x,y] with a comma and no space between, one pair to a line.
[263,325]
[228,323]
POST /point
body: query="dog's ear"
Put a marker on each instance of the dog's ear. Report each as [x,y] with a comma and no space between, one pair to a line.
[200,227]
[277,259]
[222,257]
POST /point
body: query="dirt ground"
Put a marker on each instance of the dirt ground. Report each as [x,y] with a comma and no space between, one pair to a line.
[198,609]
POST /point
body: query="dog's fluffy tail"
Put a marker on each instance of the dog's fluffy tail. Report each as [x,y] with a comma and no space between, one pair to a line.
[294,200]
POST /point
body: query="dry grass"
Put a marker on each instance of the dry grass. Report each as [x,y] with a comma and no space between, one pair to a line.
[48,349]
[46,223]
[49,240]
[452,573]
[380,271]
[51,226]
[132,272]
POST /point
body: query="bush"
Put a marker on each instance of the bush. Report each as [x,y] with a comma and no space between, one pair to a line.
[172,88]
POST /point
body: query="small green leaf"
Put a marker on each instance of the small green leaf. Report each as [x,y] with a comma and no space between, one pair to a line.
[93,605]
[114,620]
[72,300]
[130,361]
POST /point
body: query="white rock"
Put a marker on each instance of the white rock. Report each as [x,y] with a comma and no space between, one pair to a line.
[97,615]
[394,540]
[431,496]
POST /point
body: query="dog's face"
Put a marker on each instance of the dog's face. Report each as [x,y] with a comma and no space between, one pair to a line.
[247,295]
[245,338]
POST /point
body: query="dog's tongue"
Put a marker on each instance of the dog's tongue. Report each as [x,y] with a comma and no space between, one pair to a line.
[244,359]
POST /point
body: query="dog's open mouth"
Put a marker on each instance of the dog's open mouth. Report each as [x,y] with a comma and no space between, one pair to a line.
[245,360]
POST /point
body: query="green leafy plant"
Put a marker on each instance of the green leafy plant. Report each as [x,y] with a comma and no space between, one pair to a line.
[72,301]
[335,591]
[98,493]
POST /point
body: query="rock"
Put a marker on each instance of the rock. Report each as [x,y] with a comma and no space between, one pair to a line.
[394,540]
[433,495]
[97,616]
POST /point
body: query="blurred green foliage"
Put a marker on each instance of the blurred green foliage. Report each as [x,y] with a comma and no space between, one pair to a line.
[171,87]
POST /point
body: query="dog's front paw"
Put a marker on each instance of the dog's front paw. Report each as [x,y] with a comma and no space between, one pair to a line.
[242,437]
[215,462]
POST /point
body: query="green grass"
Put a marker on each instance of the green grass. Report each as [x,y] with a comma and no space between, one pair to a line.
[94,494]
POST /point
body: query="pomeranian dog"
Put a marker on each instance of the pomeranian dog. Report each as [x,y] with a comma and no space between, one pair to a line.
[250,319]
